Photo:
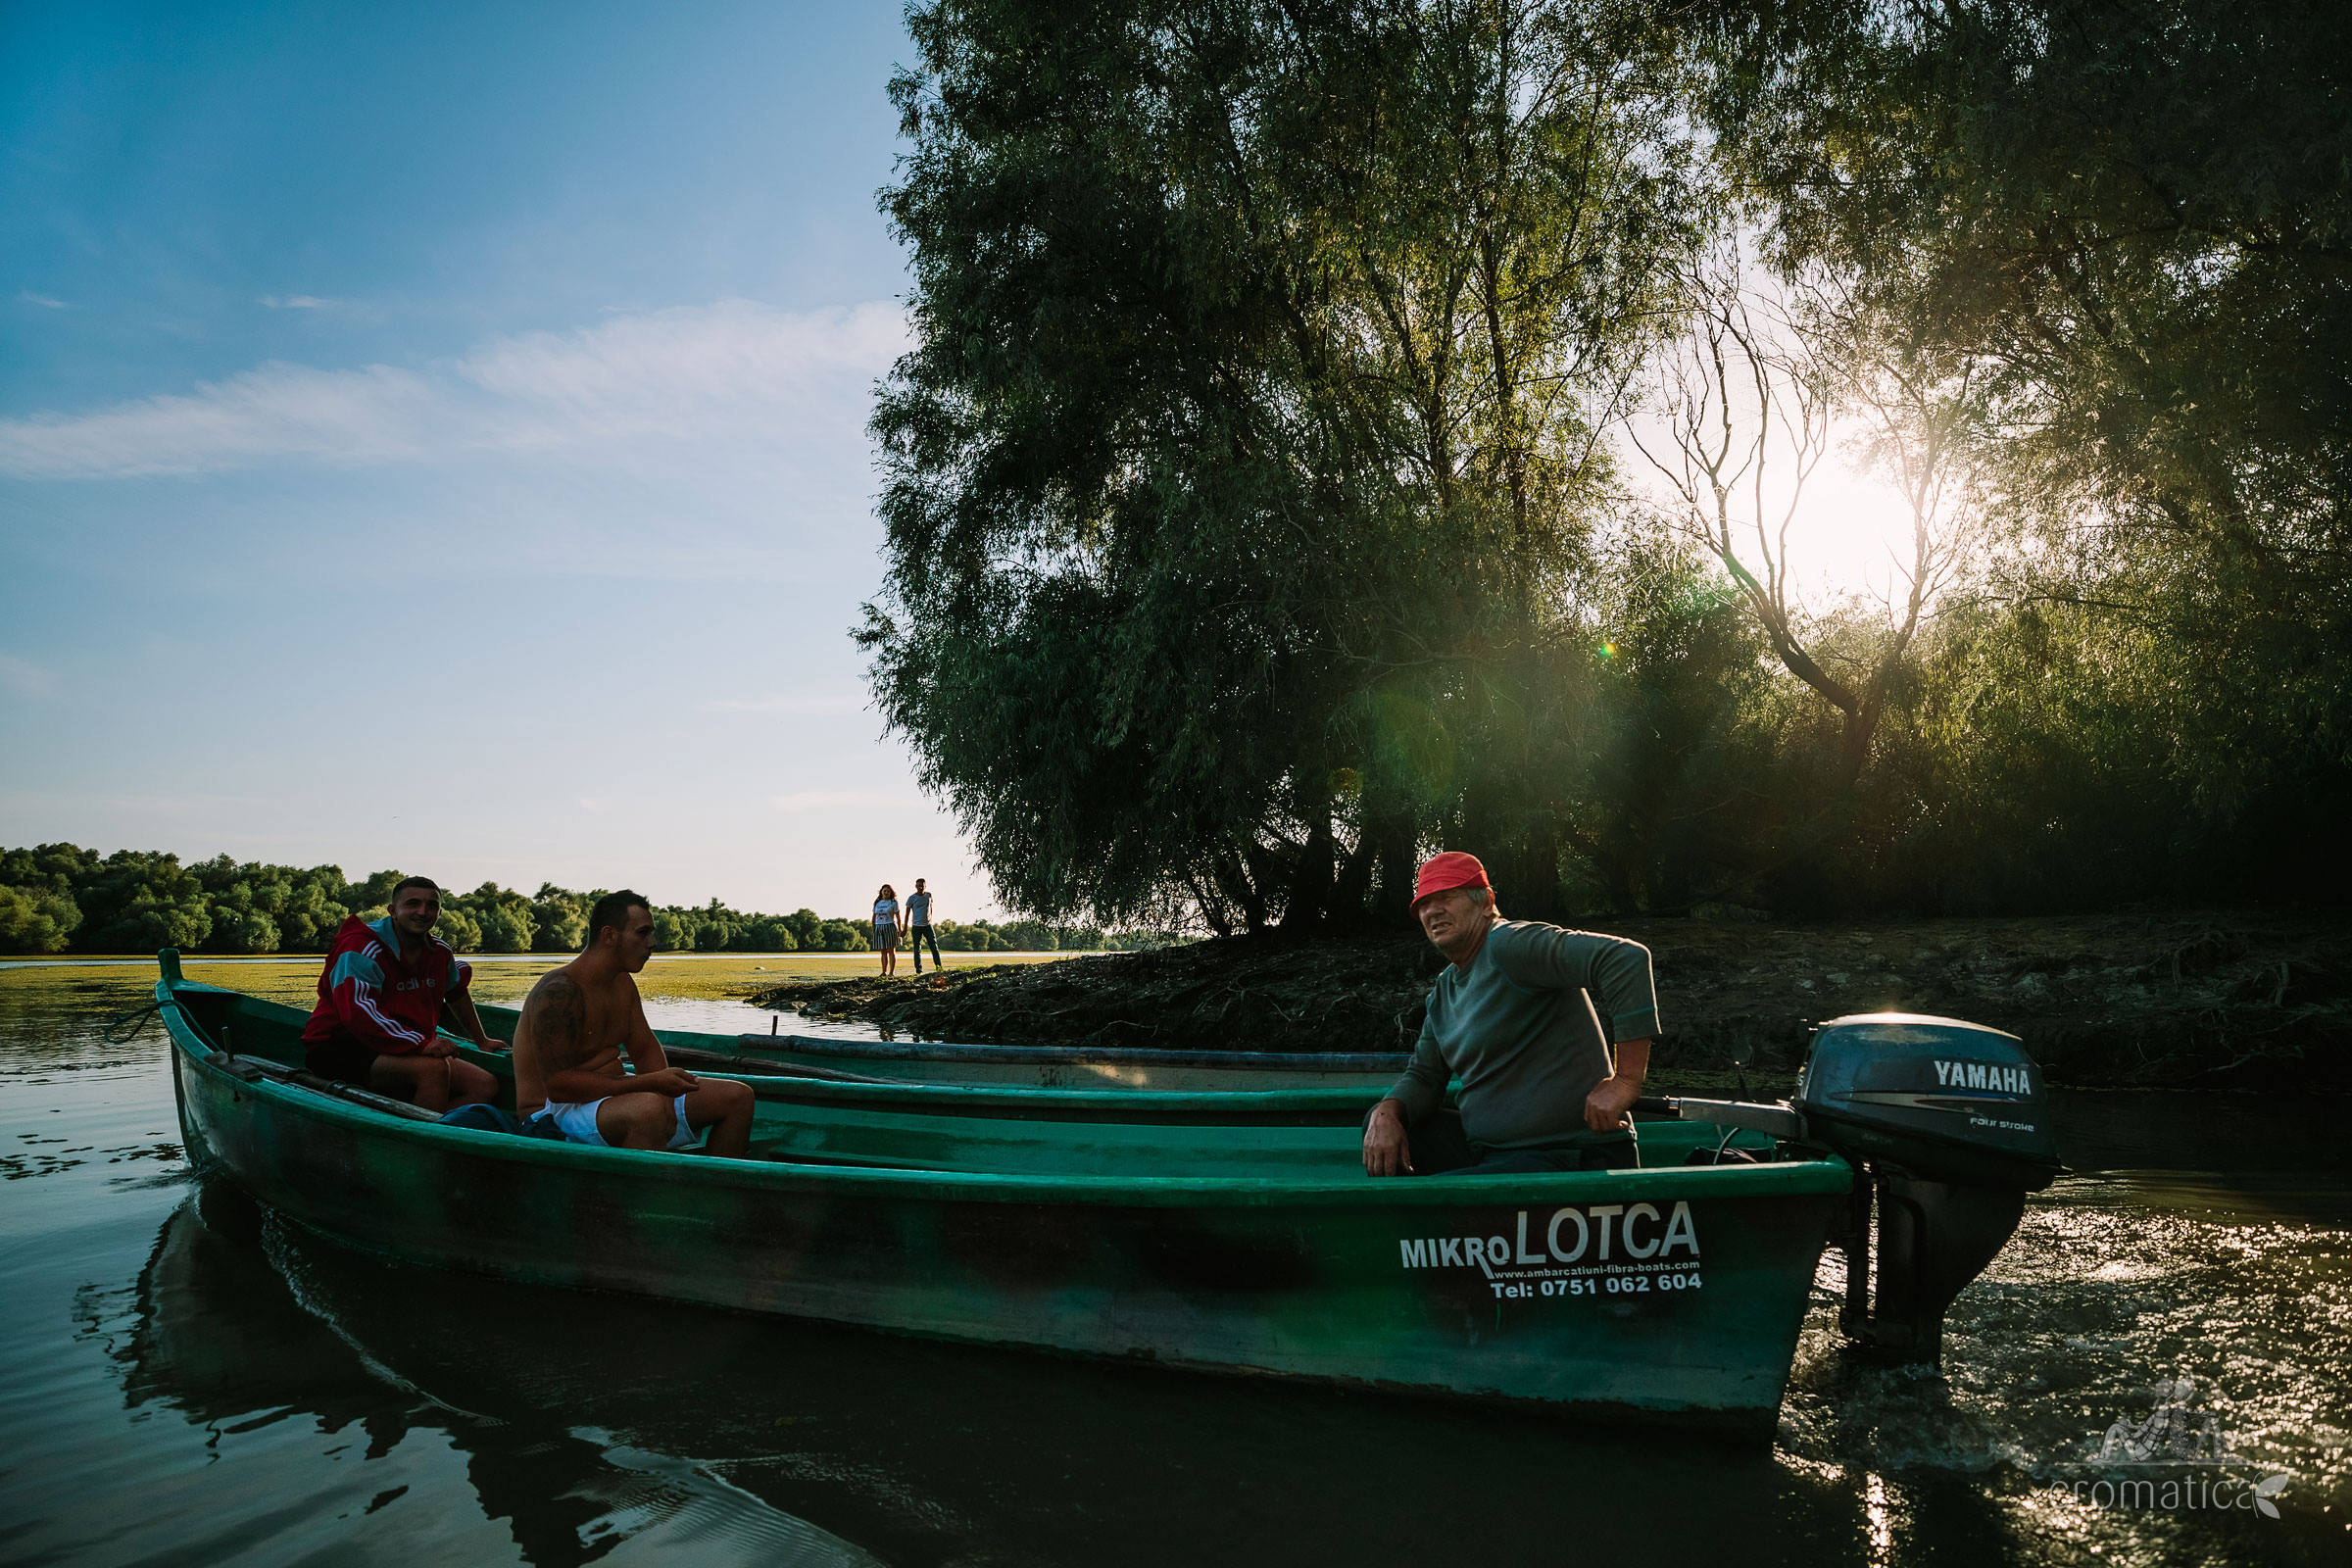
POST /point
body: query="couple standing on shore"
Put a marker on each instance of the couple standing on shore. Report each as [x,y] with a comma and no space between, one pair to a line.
[910,923]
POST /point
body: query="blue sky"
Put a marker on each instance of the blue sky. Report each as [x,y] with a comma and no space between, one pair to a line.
[433,436]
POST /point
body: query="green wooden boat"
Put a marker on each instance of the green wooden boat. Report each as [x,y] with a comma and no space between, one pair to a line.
[1222,1233]
[1030,1066]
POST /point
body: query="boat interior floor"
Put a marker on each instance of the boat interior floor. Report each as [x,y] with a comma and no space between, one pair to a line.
[1303,1135]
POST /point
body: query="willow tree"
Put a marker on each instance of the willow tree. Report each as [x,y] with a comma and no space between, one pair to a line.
[1239,480]
[2135,214]
[1742,416]
[2131,222]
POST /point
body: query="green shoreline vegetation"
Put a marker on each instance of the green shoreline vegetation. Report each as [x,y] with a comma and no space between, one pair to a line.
[59,898]
[1332,434]
[126,986]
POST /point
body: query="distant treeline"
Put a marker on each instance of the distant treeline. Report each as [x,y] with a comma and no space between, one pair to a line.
[59,898]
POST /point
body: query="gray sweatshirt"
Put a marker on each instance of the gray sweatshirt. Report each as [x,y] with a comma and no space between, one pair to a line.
[1528,1029]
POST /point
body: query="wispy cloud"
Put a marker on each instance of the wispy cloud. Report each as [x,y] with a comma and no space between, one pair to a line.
[816,799]
[50,805]
[24,677]
[294,302]
[688,374]
[806,704]
[46,302]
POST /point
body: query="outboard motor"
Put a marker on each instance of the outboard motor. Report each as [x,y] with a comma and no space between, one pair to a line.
[1948,1128]
[1947,1125]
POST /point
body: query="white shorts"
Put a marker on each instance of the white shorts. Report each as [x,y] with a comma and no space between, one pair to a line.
[577,1123]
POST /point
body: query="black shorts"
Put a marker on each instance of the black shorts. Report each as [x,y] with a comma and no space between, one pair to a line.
[342,1058]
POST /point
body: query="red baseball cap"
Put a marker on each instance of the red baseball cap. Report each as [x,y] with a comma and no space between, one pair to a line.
[1452,870]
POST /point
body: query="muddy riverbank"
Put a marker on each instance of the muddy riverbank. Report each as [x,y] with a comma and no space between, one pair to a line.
[2177,999]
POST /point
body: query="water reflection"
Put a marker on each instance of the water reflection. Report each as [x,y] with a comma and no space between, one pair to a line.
[586,1423]
[225,1336]
[588,1426]
[228,1391]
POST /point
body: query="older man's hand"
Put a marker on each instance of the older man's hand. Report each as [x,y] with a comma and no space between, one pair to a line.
[1605,1107]
[1387,1150]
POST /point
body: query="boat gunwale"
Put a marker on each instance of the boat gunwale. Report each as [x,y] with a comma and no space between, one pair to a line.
[1789,1178]
[915,1094]
[1332,1061]
[1076,1056]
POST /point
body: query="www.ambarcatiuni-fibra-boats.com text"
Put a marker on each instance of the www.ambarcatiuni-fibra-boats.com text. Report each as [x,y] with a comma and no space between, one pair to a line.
[1596,1251]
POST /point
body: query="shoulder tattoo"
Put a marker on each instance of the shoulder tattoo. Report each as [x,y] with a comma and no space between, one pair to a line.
[558,1008]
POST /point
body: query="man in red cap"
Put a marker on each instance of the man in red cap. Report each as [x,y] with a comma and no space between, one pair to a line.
[1526,1015]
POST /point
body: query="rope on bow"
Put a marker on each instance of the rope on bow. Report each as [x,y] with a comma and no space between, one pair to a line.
[130,1023]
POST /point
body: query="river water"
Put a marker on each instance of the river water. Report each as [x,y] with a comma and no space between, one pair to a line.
[186,1381]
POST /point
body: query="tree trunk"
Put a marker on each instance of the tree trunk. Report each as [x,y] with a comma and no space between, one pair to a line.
[1211,905]
[1528,881]
[1310,887]
[1351,892]
[1396,899]
[1233,881]
[1861,724]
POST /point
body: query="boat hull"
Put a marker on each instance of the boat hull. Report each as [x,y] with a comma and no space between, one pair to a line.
[1670,1295]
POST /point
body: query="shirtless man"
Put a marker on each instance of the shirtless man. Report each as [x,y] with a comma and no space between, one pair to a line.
[569,1045]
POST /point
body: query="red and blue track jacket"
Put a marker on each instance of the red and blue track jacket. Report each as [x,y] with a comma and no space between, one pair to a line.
[366,993]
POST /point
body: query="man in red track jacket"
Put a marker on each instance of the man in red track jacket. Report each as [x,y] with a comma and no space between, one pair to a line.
[379,1008]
